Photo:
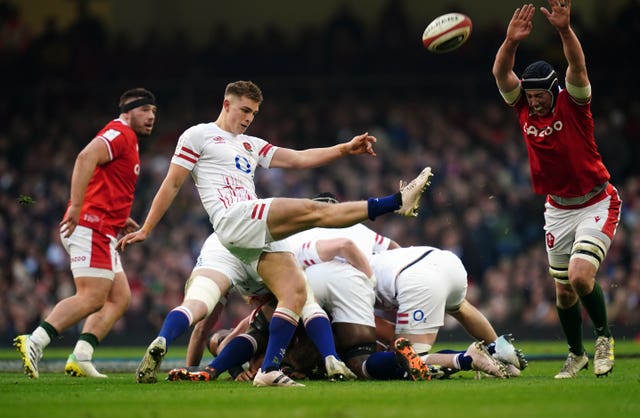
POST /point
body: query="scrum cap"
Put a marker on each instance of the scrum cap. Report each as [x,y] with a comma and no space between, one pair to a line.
[541,76]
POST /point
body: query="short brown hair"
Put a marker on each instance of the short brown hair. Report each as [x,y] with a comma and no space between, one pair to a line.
[244,89]
[137,93]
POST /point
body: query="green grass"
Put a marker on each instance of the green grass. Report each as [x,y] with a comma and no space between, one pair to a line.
[534,394]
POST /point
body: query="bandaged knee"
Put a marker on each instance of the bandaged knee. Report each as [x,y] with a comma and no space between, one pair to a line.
[205,290]
[312,310]
[560,273]
[589,249]
[421,348]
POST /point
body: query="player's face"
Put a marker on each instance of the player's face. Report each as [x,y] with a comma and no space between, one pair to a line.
[240,113]
[142,118]
[539,101]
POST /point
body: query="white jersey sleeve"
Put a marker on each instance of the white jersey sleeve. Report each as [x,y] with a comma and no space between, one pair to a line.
[380,242]
[188,149]
[304,243]
[192,144]
[222,164]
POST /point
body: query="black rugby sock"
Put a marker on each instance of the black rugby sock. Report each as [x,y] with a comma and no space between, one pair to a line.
[571,321]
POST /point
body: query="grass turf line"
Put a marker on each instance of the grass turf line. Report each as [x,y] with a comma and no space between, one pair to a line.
[534,394]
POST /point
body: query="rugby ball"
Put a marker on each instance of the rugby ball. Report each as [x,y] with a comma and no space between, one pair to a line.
[447,32]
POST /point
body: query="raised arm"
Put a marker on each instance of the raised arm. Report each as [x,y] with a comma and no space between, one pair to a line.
[559,17]
[164,197]
[519,28]
[315,157]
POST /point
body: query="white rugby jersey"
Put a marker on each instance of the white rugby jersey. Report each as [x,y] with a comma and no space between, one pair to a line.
[222,165]
[367,240]
[387,265]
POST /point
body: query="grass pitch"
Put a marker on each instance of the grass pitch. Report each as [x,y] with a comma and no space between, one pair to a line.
[534,394]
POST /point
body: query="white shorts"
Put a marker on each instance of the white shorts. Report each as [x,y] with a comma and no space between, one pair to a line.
[562,226]
[243,230]
[92,254]
[426,290]
[214,256]
[244,277]
[345,292]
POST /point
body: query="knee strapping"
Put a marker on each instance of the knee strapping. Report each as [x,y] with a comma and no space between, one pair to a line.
[421,348]
[590,249]
[286,314]
[204,290]
[312,310]
[560,273]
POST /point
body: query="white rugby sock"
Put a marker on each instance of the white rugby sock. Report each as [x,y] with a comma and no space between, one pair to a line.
[83,350]
[40,337]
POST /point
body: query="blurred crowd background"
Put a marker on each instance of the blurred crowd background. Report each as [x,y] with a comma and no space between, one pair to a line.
[336,79]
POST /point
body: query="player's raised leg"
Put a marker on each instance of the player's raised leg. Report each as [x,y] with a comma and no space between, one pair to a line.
[289,216]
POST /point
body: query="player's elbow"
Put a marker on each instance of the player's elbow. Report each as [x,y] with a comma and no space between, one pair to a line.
[346,246]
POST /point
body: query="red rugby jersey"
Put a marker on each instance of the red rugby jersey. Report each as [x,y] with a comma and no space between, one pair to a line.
[563,156]
[109,196]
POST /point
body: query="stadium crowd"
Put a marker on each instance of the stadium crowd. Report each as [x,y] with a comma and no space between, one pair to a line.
[331,83]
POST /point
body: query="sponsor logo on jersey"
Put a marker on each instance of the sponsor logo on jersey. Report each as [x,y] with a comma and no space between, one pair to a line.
[91,218]
[418,315]
[597,219]
[218,140]
[542,132]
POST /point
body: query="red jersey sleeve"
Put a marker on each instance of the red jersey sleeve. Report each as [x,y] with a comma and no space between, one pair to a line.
[110,192]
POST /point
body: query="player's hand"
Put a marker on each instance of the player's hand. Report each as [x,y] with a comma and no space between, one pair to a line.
[559,14]
[129,227]
[246,376]
[520,25]
[70,221]
[361,144]
[131,238]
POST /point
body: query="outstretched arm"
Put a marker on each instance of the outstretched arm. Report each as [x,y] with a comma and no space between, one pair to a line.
[559,17]
[161,202]
[315,157]
[519,28]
